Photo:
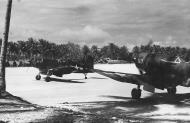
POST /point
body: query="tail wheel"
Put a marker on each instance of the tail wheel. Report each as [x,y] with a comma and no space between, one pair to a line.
[47,79]
[38,77]
[172,90]
[136,93]
[85,74]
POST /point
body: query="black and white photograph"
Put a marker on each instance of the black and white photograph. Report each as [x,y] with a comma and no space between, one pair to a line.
[94,61]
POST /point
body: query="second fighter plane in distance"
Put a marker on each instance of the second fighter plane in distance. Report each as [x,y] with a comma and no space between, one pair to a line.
[52,67]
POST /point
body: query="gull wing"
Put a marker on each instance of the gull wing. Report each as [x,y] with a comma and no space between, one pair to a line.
[123,77]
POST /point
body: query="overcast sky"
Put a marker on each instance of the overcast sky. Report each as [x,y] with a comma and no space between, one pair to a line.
[124,22]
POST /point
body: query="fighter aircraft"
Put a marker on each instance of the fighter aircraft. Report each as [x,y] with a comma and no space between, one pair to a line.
[52,67]
[154,72]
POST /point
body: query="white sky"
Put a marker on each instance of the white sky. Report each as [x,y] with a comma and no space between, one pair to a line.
[124,22]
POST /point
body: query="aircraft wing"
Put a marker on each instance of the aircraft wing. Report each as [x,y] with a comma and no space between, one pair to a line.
[123,77]
[129,78]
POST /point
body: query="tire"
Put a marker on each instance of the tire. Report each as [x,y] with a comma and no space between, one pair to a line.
[85,74]
[38,77]
[171,90]
[47,79]
[136,93]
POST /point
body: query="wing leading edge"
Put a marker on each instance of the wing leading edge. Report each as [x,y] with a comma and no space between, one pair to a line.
[129,78]
[123,77]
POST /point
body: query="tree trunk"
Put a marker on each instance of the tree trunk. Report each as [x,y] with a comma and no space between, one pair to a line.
[4,48]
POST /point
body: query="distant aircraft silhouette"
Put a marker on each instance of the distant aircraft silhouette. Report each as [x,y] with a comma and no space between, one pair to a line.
[52,67]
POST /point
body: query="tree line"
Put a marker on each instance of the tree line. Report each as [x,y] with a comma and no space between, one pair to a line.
[37,50]
[168,53]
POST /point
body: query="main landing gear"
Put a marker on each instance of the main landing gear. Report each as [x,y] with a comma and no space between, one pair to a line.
[38,77]
[47,78]
[136,92]
[85,75]
[171,90]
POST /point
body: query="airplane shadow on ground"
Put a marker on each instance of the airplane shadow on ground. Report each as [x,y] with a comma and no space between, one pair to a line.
[65,80]
[97,78]
[180,100]
[158,98]
[130,107]
[91,78]
[73,80]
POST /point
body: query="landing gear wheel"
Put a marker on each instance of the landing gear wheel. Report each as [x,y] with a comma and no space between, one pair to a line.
[85,74]
[136,93]
[38,77]
[47,79]
[172,90]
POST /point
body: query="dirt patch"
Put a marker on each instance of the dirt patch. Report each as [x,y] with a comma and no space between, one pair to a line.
[16,110]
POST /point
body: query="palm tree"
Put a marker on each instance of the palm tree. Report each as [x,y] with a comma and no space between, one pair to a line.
[4,48]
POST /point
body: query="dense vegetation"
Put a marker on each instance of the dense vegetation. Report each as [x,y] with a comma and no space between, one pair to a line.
[36,50]
[168,53]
